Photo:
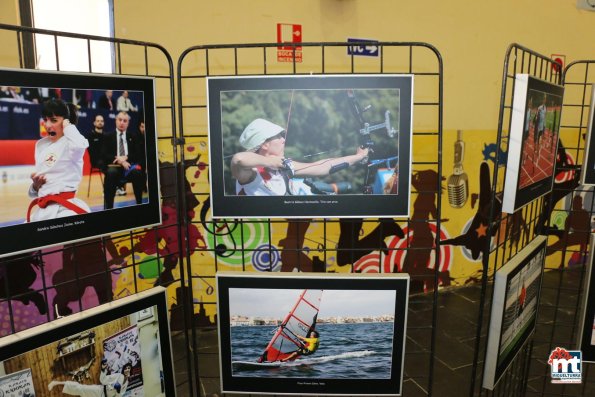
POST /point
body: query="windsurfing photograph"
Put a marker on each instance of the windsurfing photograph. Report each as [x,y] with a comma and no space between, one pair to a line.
[315,336]
[331,333]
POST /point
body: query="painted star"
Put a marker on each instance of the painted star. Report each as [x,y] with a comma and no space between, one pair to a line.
[481,230]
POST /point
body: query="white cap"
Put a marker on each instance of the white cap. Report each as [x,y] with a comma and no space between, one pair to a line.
[257,132]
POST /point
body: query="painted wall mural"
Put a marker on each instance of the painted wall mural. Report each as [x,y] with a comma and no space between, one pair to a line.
[55,283]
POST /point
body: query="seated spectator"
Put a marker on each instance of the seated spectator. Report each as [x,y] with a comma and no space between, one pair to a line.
[11,93]
[124,104]
[31,94]
[95,137]
[123,160]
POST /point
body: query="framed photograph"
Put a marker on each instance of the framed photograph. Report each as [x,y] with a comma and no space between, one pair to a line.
[588,169]
[310,146]
[329,334]
[101,350]
[517,288]
[58,181]
[533,142]
[586,336]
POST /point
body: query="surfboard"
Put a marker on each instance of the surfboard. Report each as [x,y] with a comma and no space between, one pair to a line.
[239,365]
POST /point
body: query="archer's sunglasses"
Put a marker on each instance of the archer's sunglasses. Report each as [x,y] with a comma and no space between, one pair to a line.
[280,135]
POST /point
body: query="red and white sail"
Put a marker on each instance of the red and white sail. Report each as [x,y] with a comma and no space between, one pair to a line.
[299,322]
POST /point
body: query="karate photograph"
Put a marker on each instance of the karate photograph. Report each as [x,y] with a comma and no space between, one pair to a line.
[107,351]
[72,152]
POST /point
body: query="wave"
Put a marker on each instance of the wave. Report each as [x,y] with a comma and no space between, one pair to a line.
[317,360]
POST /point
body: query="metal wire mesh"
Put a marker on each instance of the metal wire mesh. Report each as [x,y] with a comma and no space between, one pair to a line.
[334,239]
[90,264]
[528,372]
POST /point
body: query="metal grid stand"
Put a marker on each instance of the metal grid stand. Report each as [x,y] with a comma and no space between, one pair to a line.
[420,59]
[512,232]
[131,58]
[561,310]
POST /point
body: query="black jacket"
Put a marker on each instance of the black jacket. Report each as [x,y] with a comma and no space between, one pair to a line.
[136,148]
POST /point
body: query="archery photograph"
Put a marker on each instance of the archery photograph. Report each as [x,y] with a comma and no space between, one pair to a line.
[297,145]
[289,330]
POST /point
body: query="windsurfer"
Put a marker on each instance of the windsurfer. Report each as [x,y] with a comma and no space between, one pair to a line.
[309,346]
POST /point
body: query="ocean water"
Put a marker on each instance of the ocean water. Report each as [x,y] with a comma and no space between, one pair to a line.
[355,351]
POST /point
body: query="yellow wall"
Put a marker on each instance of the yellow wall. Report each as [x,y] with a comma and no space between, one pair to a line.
[9,12]
[472,36]
[8,50]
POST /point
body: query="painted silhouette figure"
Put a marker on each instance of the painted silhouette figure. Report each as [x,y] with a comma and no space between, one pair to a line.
[165,239]
[16,278]
[83,267]
[350,248]
[417,259]
[577,228]
[477,236]
[292,254]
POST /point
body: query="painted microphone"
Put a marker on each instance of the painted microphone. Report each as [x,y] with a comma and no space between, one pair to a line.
[458,182]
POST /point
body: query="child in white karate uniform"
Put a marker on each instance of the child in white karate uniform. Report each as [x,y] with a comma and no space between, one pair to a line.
[58,165]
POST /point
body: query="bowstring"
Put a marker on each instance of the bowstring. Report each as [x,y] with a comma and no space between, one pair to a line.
[289,116]
[287,133]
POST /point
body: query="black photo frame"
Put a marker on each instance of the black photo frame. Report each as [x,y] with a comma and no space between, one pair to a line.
[586,337]
[588,168]
[374,302]
[323,117]
[533,142]
[20,127]
[59,341]
[517,289]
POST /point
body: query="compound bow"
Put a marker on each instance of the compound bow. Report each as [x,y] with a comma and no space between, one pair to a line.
[365,130]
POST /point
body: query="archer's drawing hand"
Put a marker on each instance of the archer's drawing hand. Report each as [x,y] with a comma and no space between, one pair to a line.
[288,167]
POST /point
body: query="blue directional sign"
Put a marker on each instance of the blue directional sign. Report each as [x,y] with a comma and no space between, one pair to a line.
[365,47]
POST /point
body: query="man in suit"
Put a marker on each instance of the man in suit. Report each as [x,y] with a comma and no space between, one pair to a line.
[123,160]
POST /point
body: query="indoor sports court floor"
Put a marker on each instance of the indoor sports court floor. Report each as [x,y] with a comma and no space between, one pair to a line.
[15,182]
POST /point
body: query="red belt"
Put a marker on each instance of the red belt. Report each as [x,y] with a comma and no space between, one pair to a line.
[60,198]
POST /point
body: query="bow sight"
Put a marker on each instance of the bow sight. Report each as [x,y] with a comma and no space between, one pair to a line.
[366,141]
[365,128]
